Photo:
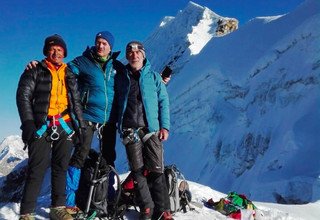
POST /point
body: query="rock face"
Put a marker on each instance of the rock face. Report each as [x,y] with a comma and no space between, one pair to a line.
[226,26]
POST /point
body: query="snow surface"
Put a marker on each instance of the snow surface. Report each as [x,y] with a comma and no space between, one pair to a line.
[266,211]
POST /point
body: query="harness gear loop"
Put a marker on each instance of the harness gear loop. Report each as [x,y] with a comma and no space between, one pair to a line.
[52,123]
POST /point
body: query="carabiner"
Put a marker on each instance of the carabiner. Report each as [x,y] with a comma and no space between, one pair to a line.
[99,128]
[54,135]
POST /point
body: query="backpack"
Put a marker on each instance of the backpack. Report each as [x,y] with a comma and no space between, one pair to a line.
[178,189]
[178,197]
[104,197]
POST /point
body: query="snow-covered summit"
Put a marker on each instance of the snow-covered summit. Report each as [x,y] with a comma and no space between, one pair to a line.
[180,37]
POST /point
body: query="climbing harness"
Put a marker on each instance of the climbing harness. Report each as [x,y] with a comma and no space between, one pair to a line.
[53,122]
[132,135]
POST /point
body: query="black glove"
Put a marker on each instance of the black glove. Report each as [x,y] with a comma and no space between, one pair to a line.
[28,131]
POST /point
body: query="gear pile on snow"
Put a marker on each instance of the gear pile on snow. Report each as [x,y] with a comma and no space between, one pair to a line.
[236,206]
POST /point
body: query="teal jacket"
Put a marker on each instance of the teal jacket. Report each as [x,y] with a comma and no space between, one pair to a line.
[96,86]
[154,97]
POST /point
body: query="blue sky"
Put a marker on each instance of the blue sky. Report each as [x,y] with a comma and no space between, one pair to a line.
[25,24]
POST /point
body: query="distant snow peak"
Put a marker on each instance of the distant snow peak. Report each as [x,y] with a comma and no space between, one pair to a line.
[11,153]
[268,19]
[12,140]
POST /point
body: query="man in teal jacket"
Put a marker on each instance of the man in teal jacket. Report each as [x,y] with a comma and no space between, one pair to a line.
[144,122]
[95,71]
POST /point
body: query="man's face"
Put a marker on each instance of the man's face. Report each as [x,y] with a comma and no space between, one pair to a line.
[135,58]
[102,47]
[55,55]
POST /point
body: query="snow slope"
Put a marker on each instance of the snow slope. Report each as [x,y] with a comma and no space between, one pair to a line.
[200,192]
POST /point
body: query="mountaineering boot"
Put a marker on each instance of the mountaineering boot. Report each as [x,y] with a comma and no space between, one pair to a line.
[29,216]
[59,213]
[167,216]
[146,214]
[73,210]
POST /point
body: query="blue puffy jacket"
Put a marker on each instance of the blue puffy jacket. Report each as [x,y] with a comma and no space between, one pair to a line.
[154,97]
[96,86]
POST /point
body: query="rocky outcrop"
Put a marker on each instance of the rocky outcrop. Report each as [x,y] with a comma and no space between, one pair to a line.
[226,26]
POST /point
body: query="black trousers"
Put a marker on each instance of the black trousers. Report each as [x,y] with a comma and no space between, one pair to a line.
[148,155]
[44,153]
[81,152]
[159,192]
[151,190]
[109,135]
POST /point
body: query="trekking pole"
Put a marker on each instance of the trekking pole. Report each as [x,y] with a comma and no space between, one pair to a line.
[95,173]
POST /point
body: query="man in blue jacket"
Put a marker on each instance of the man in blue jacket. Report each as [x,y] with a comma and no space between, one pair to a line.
[143,119]
[95,71]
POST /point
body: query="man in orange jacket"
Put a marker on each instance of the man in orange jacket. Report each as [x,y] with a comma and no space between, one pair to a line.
[47,97]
